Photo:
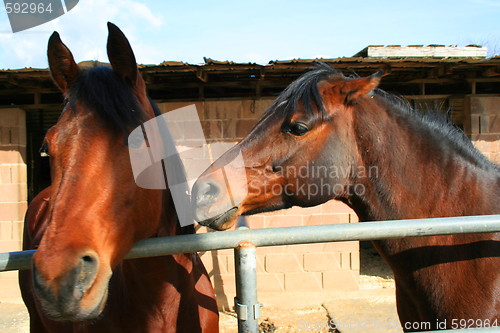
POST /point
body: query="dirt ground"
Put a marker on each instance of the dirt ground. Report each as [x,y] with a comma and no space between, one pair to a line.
[372,308]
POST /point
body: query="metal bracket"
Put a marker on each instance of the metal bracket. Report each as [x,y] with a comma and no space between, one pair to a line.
[240,309]
[256,310]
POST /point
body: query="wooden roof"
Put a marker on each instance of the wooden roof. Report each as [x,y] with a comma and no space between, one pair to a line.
[32,88]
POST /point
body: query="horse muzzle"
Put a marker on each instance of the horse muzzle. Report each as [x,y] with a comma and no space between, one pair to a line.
[213,204]
[74,295]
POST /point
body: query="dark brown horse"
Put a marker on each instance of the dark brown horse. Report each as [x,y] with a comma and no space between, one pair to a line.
[331,137]
[92,214]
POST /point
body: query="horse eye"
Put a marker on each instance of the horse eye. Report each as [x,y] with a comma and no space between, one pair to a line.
[44,150]
[297,129]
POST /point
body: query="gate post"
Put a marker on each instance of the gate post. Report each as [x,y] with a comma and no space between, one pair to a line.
[245,303]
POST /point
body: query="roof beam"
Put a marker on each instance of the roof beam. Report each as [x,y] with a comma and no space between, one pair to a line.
[202,75]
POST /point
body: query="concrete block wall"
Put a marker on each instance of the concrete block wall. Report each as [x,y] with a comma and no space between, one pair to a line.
[485,125]
[292,270]
[13,191]
[283,270]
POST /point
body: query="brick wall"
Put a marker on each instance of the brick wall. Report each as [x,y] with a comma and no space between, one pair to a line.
[13,191]
[485,125]
[289,270]
[292,270]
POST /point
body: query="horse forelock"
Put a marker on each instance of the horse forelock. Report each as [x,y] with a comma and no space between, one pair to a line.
[304,92]
[106,94]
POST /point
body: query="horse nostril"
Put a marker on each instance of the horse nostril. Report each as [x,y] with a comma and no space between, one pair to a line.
[84,274]
[88,267]
[87,259]
[206,193]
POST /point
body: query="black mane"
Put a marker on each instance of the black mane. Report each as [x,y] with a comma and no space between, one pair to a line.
[305,90]
[101,90]
[438,125]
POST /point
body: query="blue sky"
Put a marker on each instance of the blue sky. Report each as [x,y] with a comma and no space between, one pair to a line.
[254,31]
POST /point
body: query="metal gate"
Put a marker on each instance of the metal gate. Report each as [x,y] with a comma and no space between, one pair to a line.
[244,241]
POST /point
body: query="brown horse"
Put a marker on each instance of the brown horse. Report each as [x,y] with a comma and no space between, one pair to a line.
[88,219]
[332,137]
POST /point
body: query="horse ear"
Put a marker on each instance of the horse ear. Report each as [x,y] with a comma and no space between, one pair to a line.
[356,89]
[63,67]
[121,56]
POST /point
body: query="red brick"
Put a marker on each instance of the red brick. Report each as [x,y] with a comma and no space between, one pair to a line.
[229,129]
[9,286]
[495,158]
[321,261]
[17,230]
[270,282]
[17,136]
[316,219]
[13,192]
[7,276]
[10,245]
[282,263]
[215,263]
[484,105]
[295,210]
[210,111]
[355,261]
[345,260]
[13,173]
[261,263]
[283,221]
[243,127]
[255,221]
[224,283]
[484,146]
[12,154]
[249,109]
[12,211]
[5,230]
[5,135]
[340,280]
[484,123]
[348,246]
[12,118]
[494,124]
[304,248]
[335,207]
[263,104]
[321,219]
[475,124]
[212,129]
[5,174]
[253,109]
[222,110]
[280,212]
[270,250]
[303,281]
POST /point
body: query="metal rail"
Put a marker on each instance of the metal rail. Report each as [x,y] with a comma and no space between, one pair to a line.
[290,235]
[244,242]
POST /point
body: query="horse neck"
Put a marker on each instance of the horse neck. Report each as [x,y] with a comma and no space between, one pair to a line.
[416,170]
[156,272]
